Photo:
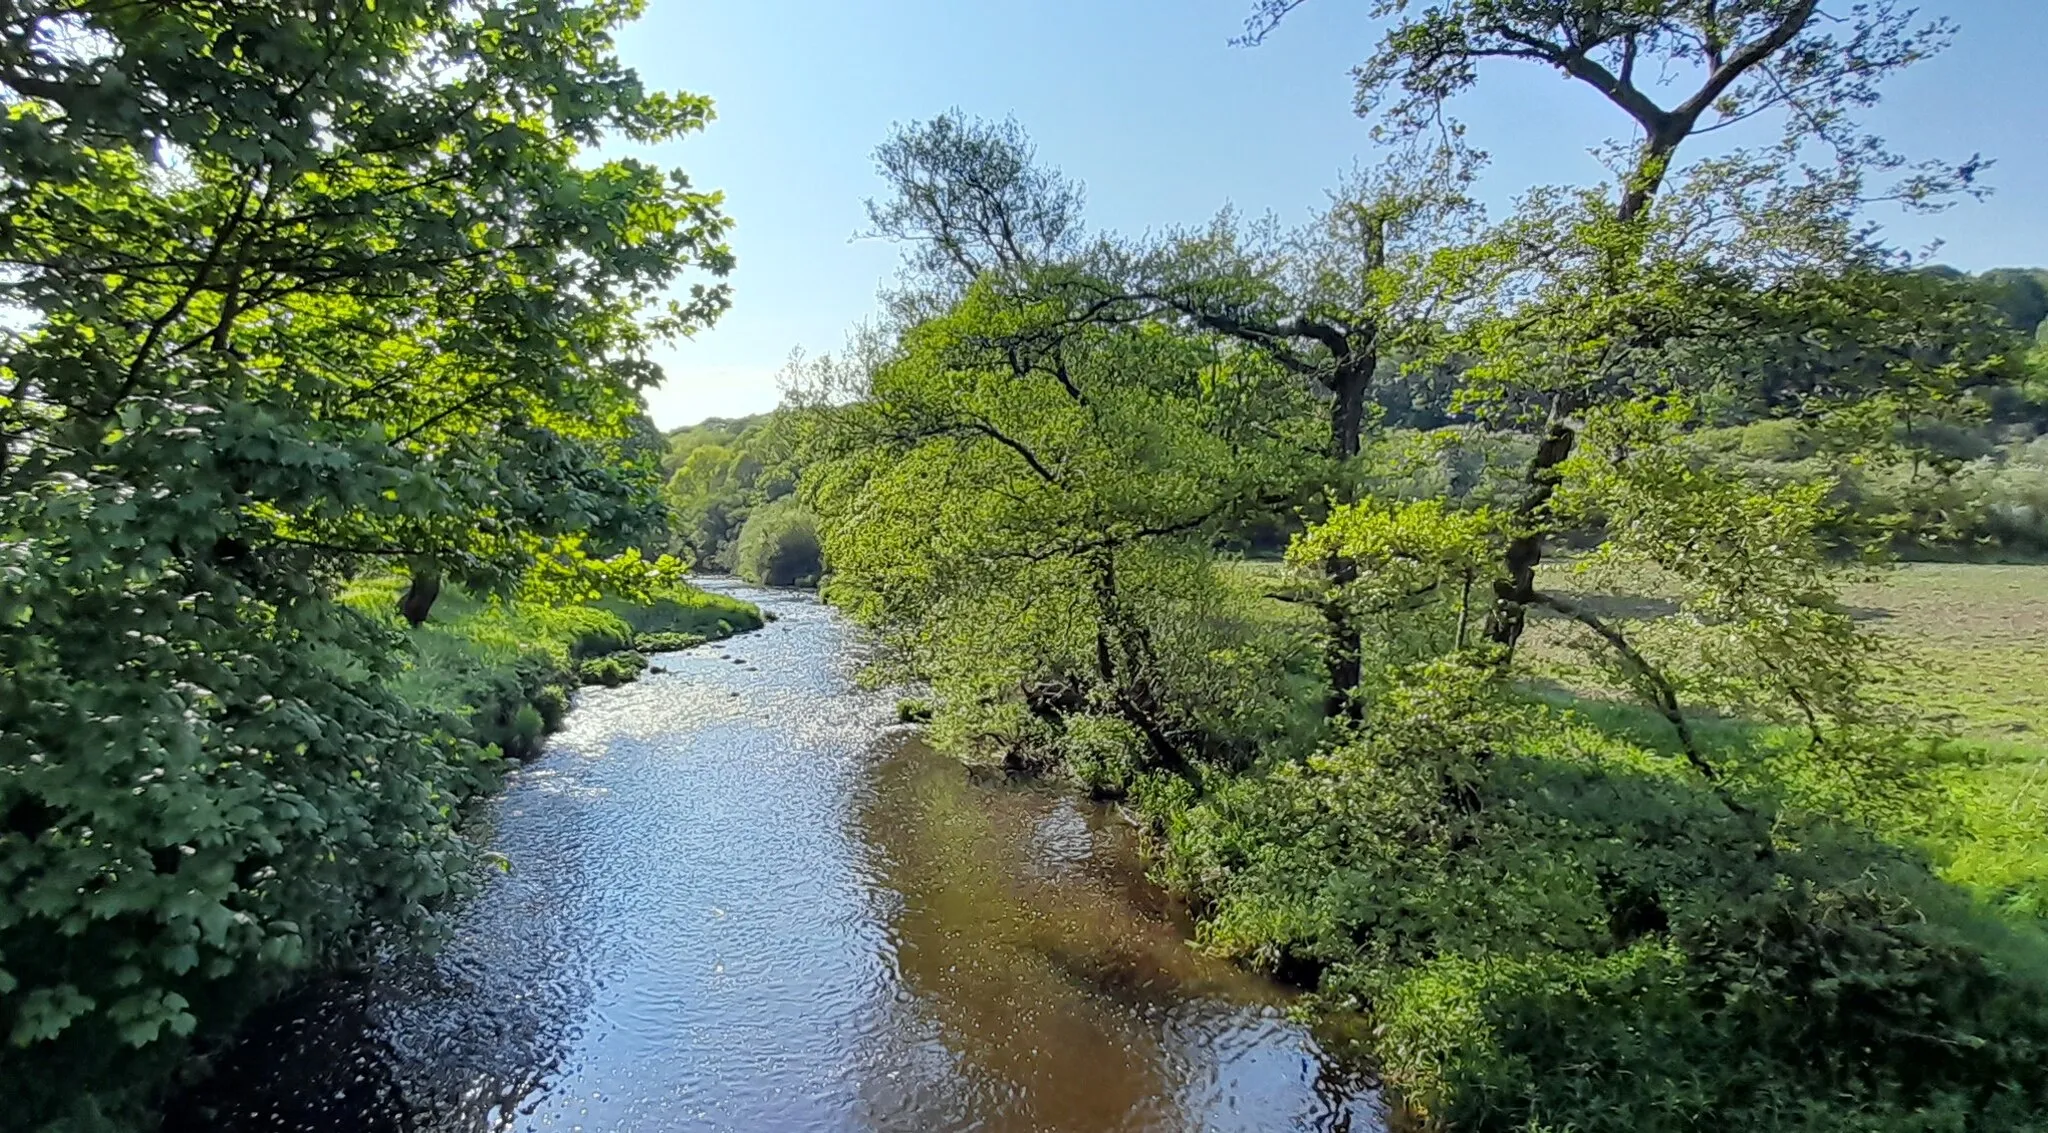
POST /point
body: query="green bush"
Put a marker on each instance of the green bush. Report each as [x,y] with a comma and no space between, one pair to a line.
[612,671]
[779,546]
[1104,754]
[1554,929]
[595,632]
[666,642]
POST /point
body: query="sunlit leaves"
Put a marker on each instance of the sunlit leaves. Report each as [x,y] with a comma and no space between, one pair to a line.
[297,290]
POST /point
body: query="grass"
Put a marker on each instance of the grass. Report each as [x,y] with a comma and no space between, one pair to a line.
[1972,643]
[1971,646]
[1980,634]
[502,672]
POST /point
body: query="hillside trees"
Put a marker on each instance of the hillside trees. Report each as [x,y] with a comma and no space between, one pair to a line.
[297,289]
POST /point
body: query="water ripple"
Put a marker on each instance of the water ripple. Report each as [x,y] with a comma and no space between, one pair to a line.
[742,900]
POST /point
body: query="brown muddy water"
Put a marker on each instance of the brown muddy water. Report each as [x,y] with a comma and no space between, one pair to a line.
[742,899]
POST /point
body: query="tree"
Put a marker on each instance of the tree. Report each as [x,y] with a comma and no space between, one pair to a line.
[1062,469]
[1730,64]
[970,199]
[1329,301]
[297,289]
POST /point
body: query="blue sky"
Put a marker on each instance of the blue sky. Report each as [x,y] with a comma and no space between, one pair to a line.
[1149,104]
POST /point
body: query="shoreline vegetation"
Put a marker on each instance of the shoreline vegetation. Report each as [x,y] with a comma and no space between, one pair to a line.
[507,669]
[1584,750]
[1953,829]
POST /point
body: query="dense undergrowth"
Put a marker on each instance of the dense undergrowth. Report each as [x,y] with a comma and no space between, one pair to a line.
[1550,924]
[271,890]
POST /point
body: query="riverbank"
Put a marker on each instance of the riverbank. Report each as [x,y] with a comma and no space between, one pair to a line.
[742,897]
[1547,917]
[503,672]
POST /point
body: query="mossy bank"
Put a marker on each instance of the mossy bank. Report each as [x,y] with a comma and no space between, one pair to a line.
[502,673]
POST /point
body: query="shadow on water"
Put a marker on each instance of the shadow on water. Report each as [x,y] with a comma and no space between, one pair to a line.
[740,899]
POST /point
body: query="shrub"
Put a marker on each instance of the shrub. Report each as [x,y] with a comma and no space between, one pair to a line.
[1552,928]
[1103,753]
[612,671]
[779,546]
[666,642]
[528,729]
[595,632]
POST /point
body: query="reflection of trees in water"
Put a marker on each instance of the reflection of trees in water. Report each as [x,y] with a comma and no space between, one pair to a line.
[1038,994]
[1023,1040]
[452,1043]
[309,1061]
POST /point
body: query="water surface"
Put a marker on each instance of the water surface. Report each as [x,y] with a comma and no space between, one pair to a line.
[741,899]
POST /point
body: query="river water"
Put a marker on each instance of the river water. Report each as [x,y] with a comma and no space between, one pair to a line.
[742,899]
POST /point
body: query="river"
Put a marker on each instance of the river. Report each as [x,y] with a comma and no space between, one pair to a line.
[742,898]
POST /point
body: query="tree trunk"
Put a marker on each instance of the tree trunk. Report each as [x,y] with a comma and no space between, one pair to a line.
[1516,590]
[418,599]
[1127,684]
[1341,646]
[1347,413]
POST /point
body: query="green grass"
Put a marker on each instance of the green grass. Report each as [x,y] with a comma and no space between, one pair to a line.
[1584,935]
[1971,649]
[496,669]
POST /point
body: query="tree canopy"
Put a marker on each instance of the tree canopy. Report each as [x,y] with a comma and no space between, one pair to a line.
[297,290]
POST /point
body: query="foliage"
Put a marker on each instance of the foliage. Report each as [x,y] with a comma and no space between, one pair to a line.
[779,546]
[666,642]
[296,292]
[611,670]
[1553,928]
[1059,471]
[719,471]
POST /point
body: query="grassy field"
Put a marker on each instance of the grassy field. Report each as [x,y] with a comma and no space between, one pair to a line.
[1980,639]
[1972,650]
[1971,642]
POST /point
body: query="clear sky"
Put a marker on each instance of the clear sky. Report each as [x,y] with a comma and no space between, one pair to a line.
[1150,106]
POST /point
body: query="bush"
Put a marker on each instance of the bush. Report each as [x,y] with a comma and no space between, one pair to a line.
[1104,754]
[1553,929]
[667,642]
[779,546]
[617,669]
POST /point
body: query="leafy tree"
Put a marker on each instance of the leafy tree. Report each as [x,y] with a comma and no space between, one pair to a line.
[1616,277]
[1330,301]
[2019,294]
[1061,469]
[720,472]
[297,289]
[779,546]
[969,199]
